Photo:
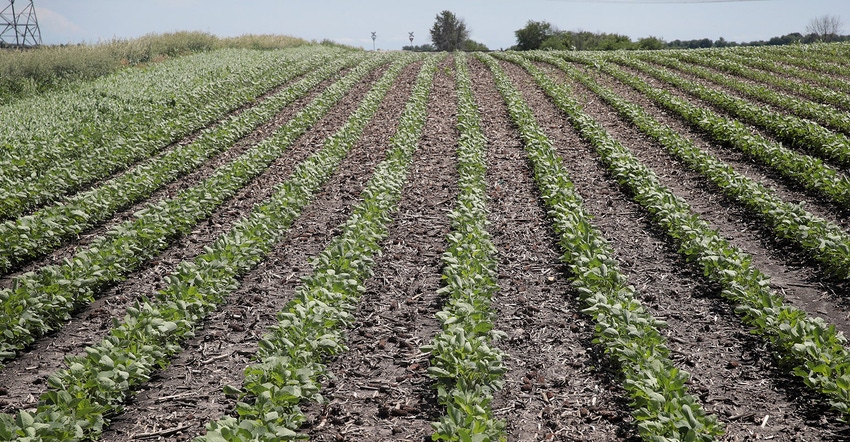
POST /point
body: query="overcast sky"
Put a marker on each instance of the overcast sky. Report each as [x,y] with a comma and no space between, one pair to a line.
[491,22]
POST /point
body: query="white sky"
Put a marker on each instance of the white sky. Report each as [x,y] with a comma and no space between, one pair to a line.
[491,22]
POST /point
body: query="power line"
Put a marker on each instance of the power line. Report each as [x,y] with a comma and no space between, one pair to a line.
[646,2]
[19,28]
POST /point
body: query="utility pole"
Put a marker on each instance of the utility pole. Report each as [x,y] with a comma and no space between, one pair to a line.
[19,27]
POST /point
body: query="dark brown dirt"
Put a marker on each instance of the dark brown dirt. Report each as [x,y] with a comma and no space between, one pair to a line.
[188,394]
[559,385]
[732,372]
[743,80]
[791,272]
[27,374]
[171,189]
[380,390]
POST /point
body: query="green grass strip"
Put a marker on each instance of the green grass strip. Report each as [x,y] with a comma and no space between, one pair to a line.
[833,54]
[64,125]
[797,132]
[102,153]
[807,60]
[822,113]
[766,71]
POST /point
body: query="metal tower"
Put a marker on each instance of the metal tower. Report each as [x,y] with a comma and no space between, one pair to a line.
[19,27]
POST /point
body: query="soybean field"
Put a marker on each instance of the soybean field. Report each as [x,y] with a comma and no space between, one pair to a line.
[319,243]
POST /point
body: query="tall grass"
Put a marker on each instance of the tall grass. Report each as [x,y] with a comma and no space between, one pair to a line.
[32,71]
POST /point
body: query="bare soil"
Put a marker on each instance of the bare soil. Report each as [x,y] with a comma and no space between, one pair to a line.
[560,386]
[26,375]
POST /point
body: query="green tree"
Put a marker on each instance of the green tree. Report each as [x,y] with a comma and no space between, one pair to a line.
[533,35]
[558,42]
[449,32]
[652,43]
[421,48]
[472,46]
[613,42]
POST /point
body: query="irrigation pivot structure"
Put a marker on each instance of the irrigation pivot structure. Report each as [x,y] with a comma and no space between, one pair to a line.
[19,26]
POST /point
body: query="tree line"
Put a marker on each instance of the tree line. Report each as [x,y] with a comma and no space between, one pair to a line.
[450,33]
[543,35]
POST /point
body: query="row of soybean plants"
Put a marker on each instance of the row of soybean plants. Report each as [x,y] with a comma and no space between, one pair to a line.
[42,231]
[823,67]
[794,131]
[58,125]
[815,350]
[796,81]
[662,405]
[93,386]
[465,364]
[293,354]
[115,129]
[808,172]
[808,57]
[828,52]
[821,240]
[39,302]
[824,114]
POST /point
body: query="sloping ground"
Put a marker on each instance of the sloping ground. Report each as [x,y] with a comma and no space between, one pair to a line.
[90,324]
[216,356]
[559,384]
[731,371]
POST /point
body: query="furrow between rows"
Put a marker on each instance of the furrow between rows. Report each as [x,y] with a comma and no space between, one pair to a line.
[189,393]
[90,323]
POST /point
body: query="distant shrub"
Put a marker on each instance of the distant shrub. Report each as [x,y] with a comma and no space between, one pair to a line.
[261,41]
[24,73]
[332,43]
[472,46]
